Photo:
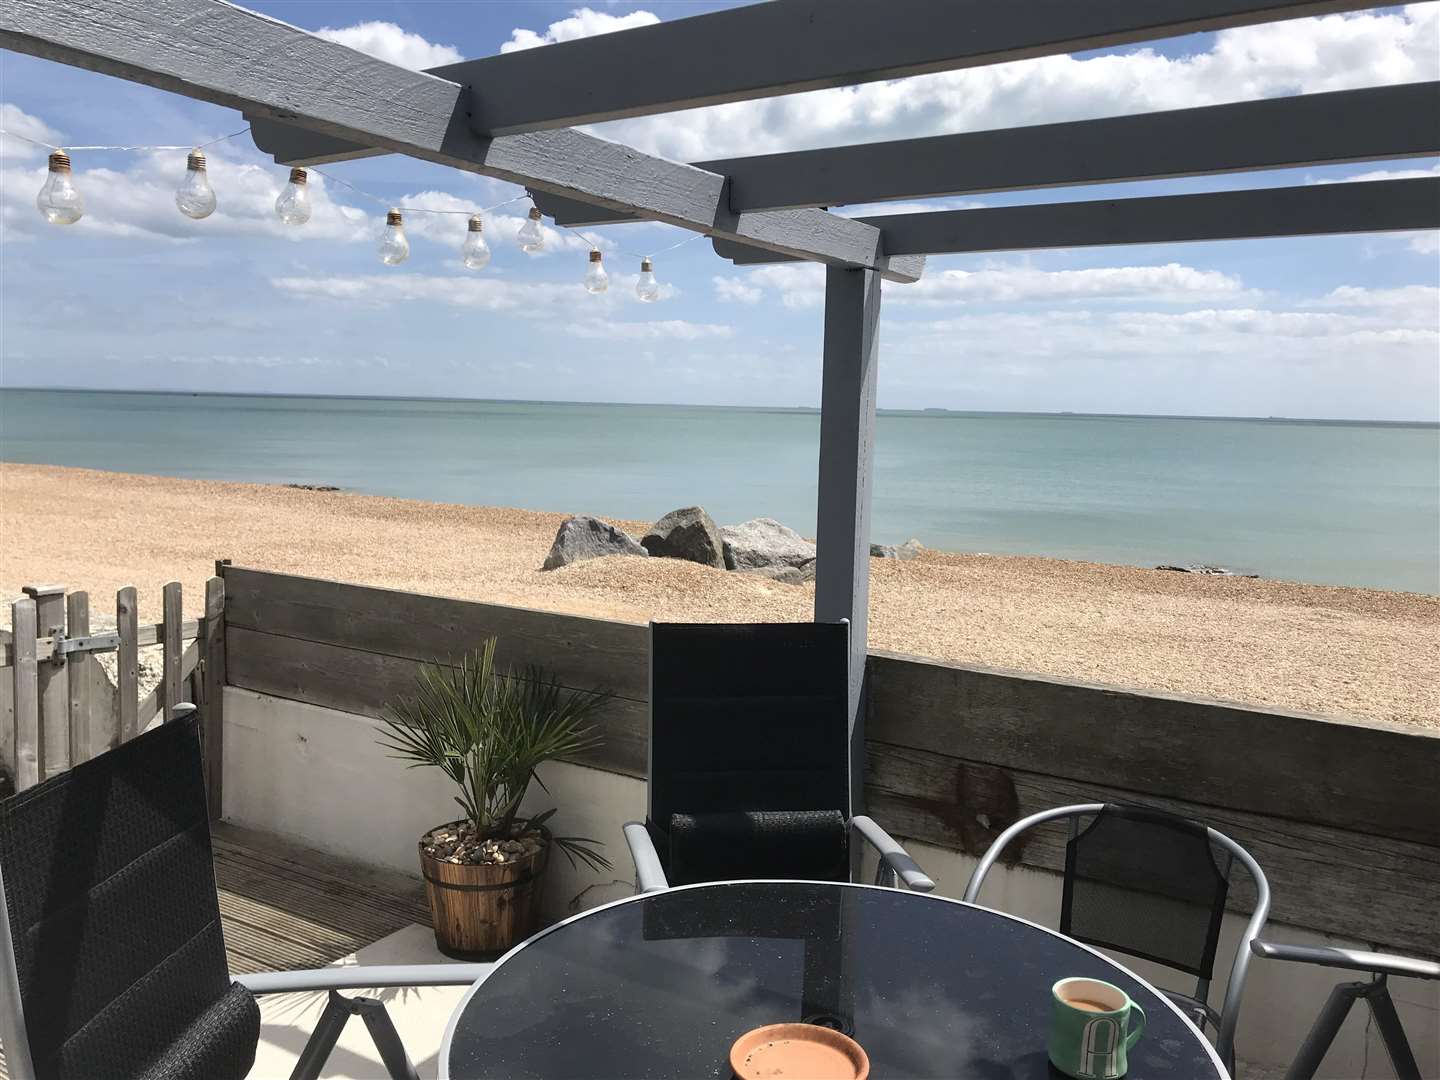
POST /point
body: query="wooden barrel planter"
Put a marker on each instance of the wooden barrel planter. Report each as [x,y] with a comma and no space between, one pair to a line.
[481,911]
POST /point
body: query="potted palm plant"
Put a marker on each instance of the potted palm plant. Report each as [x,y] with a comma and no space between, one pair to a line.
[488,731]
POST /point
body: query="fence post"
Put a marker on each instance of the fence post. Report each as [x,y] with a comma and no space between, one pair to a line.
[29,745]
[212,657]
[127,661]
[172,662]
[50,675]
[77,676]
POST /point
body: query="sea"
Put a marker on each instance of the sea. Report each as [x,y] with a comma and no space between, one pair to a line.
[1326,501]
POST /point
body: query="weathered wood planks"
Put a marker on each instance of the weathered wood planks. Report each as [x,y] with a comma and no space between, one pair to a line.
[1341,815]
[1349,775]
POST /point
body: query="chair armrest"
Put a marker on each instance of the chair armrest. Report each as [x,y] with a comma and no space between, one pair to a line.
[1350,959]
[892,854]
[649,874]
[361,978]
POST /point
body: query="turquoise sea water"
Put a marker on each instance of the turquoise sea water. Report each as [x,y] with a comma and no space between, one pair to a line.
[1321,501]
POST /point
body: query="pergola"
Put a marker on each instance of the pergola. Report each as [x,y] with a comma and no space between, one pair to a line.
[511,117]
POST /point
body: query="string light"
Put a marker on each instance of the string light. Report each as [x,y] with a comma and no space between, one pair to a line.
[195,197]
[475,251]
[596,279]
[292,205]
[62,204]
[646,287]
[394,247]
[60,200]
[530,238]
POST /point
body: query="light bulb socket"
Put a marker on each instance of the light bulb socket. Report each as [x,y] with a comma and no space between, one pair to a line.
[594,256]
[534,213]
[299,176]
[393,217]
[646,266]
[476,223]
[59,161]
[196,160]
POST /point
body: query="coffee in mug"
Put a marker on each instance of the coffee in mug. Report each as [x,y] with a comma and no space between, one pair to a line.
[1093,1026]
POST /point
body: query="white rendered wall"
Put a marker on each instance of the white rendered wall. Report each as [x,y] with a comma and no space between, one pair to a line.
[317,777]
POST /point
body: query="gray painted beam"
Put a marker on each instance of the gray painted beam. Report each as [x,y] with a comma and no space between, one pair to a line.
[1383,123]
[1312,210]
[214,51]
[847,475]
[790,46]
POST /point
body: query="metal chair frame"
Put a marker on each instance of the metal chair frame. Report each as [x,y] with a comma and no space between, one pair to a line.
[1228,1016]
[338,1010]
[1375,992]
[894,868]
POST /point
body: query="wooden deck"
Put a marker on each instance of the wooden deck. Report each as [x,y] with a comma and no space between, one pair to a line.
[285,907]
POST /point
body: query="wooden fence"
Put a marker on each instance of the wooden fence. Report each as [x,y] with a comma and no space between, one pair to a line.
[58,707]
[1343,816]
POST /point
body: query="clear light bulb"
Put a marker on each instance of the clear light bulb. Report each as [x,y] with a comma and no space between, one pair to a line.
[59,200]
[530,237]
[293,205]
[195,197]
[646,287]
[475,251]
[596,279]
[394,247]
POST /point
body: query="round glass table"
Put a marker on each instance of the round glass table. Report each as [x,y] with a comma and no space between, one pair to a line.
[660,985]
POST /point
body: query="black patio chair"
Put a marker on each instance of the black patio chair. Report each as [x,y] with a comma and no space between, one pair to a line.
[1374,991]
[750,759]
[1146,883]
[112,958]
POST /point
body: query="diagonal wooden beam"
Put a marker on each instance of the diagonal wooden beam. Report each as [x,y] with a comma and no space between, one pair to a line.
[1313,210]
[1383,123]
[791,46]
[214,51]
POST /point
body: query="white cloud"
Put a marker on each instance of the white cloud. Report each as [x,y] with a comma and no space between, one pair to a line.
[1419,300]
[1383,174]
[582,23]
[469,289]
[388,42]
[663,329]
[17,122]
[1297,56]
[803,286]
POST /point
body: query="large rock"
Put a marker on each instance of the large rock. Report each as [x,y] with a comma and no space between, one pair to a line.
[689,534]
[764,542]
[908,550]
[786,575]
[585,537]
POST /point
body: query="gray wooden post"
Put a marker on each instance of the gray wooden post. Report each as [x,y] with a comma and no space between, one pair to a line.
[847,469]
[54,689]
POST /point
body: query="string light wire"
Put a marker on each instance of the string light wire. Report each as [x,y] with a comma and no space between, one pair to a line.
[71,149]
[411,209]
[635,254]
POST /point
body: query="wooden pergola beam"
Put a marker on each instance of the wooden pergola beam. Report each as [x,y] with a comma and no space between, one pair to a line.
[214,51]
[1380,124]
[792,46]
[1312,210]
[1384,123]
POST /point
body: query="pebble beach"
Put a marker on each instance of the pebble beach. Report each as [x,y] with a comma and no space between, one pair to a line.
[1363,654]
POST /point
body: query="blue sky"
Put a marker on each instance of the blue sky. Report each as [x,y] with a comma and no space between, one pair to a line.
[137,297]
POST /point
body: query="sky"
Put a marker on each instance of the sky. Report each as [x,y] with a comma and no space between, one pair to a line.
[136,296]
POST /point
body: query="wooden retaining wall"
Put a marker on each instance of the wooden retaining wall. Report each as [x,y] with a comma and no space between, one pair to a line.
[1345,817]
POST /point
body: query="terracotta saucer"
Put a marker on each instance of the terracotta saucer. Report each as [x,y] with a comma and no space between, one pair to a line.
[798,1052]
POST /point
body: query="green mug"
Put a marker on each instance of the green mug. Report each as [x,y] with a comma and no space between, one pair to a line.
[1093,1027]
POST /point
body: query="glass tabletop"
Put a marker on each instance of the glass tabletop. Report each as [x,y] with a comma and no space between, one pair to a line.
[660,986]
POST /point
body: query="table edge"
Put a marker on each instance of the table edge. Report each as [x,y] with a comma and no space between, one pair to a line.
[453,1022]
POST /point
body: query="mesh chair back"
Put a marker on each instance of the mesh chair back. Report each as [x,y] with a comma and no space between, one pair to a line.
[110,895]
[1145,882]
[748,717]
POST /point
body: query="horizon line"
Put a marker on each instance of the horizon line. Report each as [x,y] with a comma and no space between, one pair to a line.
[697,405]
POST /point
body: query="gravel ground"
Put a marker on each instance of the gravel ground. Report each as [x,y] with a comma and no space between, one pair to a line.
[1361,653]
